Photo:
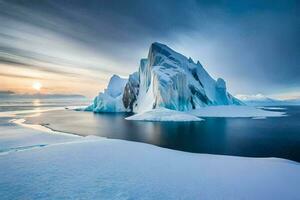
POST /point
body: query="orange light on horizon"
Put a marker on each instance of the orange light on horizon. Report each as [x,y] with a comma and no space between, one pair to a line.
[37,86]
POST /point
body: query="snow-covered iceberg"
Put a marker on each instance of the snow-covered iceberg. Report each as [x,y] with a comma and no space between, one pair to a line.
[111,99]
[165,79]
[258,100]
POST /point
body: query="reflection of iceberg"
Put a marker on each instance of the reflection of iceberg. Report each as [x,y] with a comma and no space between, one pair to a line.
[166,79]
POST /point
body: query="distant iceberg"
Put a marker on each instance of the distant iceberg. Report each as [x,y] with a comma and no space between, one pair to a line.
[262,100]
[166,79]
[111,99]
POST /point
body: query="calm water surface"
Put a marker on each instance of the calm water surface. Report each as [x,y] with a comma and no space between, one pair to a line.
[271,137]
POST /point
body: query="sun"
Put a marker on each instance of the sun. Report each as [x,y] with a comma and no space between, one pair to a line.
[37,86]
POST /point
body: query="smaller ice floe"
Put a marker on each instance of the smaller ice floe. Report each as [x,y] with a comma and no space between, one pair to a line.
[259,117]
[271,108]
[235,111]
[163,114]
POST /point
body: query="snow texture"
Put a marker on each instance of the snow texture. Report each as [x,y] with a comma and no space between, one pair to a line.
[171,80]
[95,168]
[163,114]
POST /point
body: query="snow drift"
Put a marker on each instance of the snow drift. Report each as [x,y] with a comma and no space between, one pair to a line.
[39,165]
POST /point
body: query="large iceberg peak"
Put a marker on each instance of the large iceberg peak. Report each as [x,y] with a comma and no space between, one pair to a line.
[167,79]
[157,47]
[160,54]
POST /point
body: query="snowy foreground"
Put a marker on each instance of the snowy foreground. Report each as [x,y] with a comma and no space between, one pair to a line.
[40,165]
[163,114]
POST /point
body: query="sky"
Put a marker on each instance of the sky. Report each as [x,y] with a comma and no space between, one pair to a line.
[73,47]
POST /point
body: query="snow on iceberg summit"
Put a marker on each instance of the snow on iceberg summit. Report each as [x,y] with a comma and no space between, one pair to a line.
[165,79]
[171,80]
[111,99]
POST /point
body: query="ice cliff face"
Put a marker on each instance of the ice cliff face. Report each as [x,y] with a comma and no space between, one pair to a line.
[131,91]
[111,99]
[167,79]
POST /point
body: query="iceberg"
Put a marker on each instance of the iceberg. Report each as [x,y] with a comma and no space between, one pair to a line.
[165,79]
[173,81]
[111,99]
[262,100]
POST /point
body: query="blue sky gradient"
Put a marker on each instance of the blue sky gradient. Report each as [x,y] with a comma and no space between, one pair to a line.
[75,46]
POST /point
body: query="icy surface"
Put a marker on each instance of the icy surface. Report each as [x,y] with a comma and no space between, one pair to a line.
[171,80]
[111,99]
[235,111]
[131,91]
[165,79]
[95,168]
[163,114]
[115,86]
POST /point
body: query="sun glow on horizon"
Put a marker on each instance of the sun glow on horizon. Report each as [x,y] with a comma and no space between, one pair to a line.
[37,86]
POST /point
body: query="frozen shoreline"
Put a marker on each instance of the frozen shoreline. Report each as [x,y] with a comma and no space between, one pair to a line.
[43,165]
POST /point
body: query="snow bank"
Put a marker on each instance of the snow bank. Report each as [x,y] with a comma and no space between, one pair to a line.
[234,111]
[115,169]
[163,114]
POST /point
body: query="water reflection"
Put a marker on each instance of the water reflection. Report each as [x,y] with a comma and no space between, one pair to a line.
[36,102]
[275,137]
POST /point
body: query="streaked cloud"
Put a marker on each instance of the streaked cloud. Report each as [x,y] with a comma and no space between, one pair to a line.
[254,45]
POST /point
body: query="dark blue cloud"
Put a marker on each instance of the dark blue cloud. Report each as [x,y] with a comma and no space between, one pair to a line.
[252,44]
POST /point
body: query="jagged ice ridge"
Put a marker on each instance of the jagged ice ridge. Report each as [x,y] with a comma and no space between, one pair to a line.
[165,79]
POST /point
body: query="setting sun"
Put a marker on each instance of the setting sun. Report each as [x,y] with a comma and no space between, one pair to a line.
[37,86]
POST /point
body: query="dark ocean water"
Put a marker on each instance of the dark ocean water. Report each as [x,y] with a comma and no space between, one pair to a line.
[271,137]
